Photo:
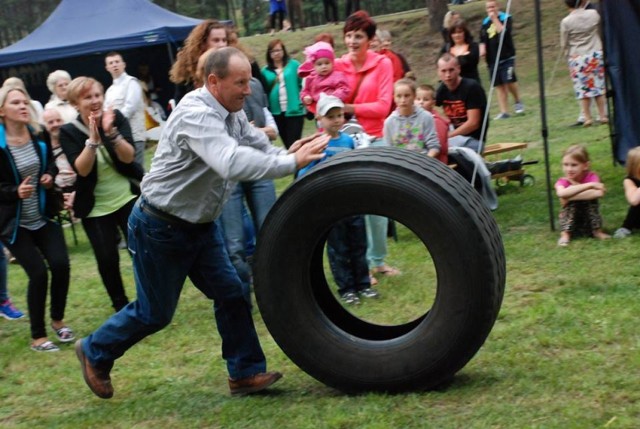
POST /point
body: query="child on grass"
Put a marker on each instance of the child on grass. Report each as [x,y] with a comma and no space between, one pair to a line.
[319,76]
[631,185]
[347,240]
[579,191]
[410,126]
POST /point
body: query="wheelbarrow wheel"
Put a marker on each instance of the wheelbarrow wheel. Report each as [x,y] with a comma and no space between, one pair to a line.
[527,180]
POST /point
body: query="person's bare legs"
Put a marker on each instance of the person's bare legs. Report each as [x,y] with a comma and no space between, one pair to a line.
[586,109]
[502,98]
[513,89]
[602,109]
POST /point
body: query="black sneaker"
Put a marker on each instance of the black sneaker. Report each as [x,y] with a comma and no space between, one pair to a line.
[350,298]
[369,293]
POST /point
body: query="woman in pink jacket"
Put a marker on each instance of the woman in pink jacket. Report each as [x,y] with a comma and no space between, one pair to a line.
[370,77]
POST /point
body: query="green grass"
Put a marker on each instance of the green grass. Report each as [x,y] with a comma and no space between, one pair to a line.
[564,352]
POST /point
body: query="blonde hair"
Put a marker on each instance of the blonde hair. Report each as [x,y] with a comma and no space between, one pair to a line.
[54,77]
[405,82]
[449,17]
[633,163]
[79,86]
[4,92]
[14,82]
[577,152]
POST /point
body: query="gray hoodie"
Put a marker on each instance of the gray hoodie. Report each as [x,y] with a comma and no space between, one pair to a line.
[416,132]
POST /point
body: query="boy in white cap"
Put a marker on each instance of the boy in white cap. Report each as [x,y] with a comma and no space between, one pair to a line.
[347,240]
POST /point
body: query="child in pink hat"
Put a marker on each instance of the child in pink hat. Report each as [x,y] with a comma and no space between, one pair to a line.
[320,76]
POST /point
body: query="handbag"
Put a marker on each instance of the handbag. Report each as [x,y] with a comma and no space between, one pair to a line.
[53,201]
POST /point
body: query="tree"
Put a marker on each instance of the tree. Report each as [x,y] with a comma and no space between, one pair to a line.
[437,10]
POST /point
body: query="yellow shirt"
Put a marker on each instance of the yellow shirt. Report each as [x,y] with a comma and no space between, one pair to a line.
[112,190]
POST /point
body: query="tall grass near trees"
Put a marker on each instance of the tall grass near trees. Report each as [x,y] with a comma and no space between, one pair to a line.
[564,352]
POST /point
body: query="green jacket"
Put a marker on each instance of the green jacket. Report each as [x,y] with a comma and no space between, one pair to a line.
[293,85]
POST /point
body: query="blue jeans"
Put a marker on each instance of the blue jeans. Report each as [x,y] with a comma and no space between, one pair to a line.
[260,195]
[165,253]
[346,249]
[376,230]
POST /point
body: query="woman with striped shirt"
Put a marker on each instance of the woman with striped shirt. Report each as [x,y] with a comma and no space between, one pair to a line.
[26,171]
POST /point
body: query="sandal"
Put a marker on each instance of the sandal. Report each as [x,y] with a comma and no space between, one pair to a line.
[373,280]
[386,270]
[47,346]
[64,334]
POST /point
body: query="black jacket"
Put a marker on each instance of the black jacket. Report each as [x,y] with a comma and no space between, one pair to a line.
[10,179]
[72,140]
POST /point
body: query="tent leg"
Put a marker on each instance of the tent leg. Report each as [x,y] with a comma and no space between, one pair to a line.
[543,113]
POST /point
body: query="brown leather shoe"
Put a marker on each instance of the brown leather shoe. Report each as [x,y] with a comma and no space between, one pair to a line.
[98,380]
[253,383]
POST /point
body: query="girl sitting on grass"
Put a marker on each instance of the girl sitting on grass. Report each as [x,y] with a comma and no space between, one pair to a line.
[631,185]
[579,191]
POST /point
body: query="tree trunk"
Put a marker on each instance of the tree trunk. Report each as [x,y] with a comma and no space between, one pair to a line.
[437,10]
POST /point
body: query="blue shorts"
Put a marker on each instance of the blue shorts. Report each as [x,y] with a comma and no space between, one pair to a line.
[506,72]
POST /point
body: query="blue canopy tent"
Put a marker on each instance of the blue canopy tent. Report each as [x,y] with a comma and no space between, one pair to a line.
[78,33]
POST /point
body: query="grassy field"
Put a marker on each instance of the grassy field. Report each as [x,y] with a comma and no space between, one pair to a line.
[564,352]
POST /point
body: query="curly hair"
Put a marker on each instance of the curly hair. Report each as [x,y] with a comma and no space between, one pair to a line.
[360,20]
[54,77]
[186,65]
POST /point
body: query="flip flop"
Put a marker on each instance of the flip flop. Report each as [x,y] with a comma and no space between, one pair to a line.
[64,334]
[47,346]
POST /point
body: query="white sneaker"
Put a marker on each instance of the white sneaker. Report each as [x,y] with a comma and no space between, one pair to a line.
[621,233]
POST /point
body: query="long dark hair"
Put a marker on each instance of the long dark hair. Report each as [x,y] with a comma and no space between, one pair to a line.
[456,25]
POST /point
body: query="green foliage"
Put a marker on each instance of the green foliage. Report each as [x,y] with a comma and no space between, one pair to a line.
[564,352]
[251,16]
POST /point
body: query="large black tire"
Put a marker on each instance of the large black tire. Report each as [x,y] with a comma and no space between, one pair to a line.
[318,333]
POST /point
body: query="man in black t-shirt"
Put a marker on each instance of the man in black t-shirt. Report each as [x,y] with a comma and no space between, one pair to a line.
[493,26]
[463,101]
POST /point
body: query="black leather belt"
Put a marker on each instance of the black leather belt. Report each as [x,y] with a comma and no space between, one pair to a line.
[166,217]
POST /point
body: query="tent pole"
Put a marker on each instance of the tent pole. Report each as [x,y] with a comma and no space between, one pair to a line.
[543,112]
[171,59]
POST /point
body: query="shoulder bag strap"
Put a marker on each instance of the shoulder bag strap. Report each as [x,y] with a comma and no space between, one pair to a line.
[355,91]
[79,125]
